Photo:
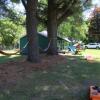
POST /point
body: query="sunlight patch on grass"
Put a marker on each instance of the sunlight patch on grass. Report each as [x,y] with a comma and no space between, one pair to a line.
[92,52]
[4,58]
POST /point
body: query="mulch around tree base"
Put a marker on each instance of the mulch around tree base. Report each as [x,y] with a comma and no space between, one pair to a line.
[12,71]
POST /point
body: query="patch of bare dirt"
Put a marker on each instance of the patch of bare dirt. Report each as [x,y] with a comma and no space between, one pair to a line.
[12,71]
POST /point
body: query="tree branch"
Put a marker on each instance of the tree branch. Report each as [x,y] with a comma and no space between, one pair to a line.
[24,4]
[67,12]
[64,17]
[85,2]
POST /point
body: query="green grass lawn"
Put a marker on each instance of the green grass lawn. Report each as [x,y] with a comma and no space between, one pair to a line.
[67,81]
[93,52]
[4,58]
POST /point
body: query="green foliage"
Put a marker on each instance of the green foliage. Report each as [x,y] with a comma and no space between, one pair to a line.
[74,27]
[43,1]
[16,16]
[64,9]
[7,11]
[11,24]
[40,27]
[16,1]
[9,32]
[95,24]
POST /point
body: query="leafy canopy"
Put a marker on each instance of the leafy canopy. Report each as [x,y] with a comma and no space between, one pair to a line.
[9,32]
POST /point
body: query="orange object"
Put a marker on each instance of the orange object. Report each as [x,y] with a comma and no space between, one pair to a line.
[94,93]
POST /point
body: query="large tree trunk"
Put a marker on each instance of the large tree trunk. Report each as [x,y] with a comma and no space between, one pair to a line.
[31,26]
[52,28]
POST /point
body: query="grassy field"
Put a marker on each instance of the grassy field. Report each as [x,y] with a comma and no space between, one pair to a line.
[4,58]
[65,81]
[92,52]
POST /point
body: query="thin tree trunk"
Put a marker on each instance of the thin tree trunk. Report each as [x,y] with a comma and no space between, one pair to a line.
[31,26]
[52,28]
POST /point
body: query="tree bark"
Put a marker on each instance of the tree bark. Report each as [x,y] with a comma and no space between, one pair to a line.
[52,28]
[31,27]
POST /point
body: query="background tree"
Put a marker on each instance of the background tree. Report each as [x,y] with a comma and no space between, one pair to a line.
[94,28]
[57,12]
[54,12]
[10,32]
[11,22]
[3,8]
[31,28]
[52,27]
[75,28]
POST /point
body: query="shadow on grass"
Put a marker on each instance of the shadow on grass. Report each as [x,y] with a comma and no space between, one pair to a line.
[4,59]
[68,80]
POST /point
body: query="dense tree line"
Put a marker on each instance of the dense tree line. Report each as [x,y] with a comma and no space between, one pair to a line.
[11,24]
[95,21]
[94,27]
[75,28]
